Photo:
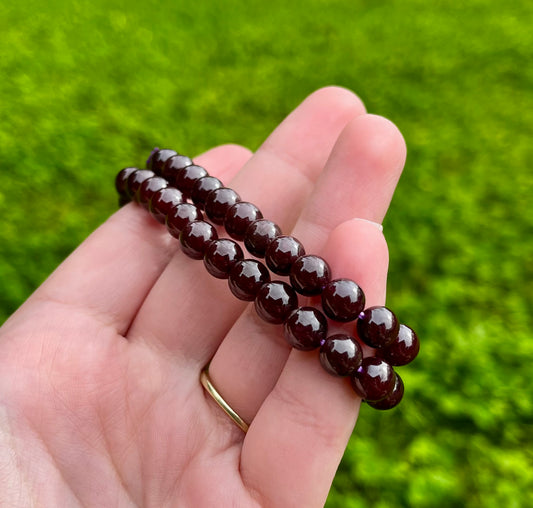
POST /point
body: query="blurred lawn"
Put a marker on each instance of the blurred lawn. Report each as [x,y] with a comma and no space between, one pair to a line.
[89,87]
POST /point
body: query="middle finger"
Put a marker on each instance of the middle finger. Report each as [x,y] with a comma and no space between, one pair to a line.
[187,312]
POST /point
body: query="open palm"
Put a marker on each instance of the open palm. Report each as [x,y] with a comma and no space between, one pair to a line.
[100,399]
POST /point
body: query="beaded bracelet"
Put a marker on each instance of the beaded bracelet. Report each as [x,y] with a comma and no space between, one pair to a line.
[178,192]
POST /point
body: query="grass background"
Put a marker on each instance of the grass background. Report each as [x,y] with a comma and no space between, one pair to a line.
[89,87]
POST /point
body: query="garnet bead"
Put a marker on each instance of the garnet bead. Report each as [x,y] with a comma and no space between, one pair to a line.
[157,159]
[180,216]
[196,237]
[239,217]
[275,301]
[163,201]
[220,257]
[392,399]
[374,379]
[341,355]
[246,277]
[342,300]
[187,177]
[377,326]
[149,187]
[202,187]
[282,252]
[309,274]
[259,235]
[121,180]
[218,203]
[403,349]
[305,328]
[135,180]
[172,166]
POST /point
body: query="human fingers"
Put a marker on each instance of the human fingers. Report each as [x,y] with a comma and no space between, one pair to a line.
[112,271]
[187,312]
[358,181]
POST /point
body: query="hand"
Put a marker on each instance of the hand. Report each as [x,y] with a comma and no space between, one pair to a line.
[100,399]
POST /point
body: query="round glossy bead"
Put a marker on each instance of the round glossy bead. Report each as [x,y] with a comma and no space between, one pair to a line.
[163,201]
[282,252]
[239,217]
[202,187]
[309,274]
[374,379]
[342,300]
[259,235]
[173,165]
[305,328]
[275,301]
[377,326]
[196,237]
[220,257]
[403,349]
[121,180]
[135,180]
[149,187]
[246,277]
[392,399]
[180,216]
[157,159]
[187,177]
[341,355]
[218,203]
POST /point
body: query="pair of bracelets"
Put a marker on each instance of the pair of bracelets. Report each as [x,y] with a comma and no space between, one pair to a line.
[177,193]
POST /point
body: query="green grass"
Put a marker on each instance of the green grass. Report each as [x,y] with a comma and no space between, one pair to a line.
[89,87]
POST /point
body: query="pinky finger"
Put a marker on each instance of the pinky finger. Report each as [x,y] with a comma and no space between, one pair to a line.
[297,439]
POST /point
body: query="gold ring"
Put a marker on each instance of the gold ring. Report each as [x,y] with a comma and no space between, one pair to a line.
[211,390]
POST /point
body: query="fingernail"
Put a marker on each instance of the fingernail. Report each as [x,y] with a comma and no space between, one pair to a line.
[376,224]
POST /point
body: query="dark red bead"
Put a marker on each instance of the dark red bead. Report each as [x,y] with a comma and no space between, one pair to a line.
[173,165]
[163,201]
[374,379]
[309,274]
[377,326]
[392,399]
[305,328]
[220,257]
[246,277]
[282,252]
[403,349]
[239,217]
[135,180]
[157,159]
[341,355]
[148,188]
[202,187]
[121,180]
[275,301]
[259,235]
[187,177]
[342,300]
[196,237]
[180,216]
[218,202]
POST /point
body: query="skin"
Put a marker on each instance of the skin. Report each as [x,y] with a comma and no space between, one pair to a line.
[100,399]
